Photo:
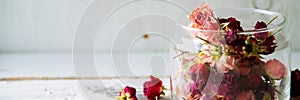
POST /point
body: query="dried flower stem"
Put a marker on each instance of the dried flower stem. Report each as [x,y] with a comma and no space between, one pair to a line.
[182,52]
[272,20]
[206,41]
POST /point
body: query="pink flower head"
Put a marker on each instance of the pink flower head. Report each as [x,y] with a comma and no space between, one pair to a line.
[245,95]
[203,18]
[202,14]
[275,69]
[129,93]
[153,88]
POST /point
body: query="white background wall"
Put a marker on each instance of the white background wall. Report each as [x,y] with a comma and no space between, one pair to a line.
[48,25]
[39,25]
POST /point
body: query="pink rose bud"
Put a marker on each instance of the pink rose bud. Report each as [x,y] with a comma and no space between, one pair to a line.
[275,69]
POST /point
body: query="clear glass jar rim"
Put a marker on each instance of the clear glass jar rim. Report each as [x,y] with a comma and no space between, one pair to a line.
[273,27]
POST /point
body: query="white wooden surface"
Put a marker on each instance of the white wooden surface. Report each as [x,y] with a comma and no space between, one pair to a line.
[60,65]
[33,69]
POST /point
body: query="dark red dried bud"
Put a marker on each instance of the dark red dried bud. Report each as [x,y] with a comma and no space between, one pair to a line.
[262,35]
[235,25]
[295,84]
[153,88]
[269,45]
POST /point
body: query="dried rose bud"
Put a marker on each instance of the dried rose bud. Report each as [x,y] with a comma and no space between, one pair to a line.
[203,18]
[262,35]
[202,14]
[153,88]
[269,45]
[275,69]
[128,93]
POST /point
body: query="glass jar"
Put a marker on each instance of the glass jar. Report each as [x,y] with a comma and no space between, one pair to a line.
[251,63]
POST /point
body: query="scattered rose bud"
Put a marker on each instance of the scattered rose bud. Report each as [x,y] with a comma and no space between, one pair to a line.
[275,69]
[128,93]
[153,88]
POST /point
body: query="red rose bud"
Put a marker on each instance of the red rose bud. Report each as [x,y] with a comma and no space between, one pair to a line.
[128,93]
[235,25]
[260,25]
[153,88]
[269,45]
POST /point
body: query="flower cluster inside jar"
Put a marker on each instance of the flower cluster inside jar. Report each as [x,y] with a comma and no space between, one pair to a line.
[236,59]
